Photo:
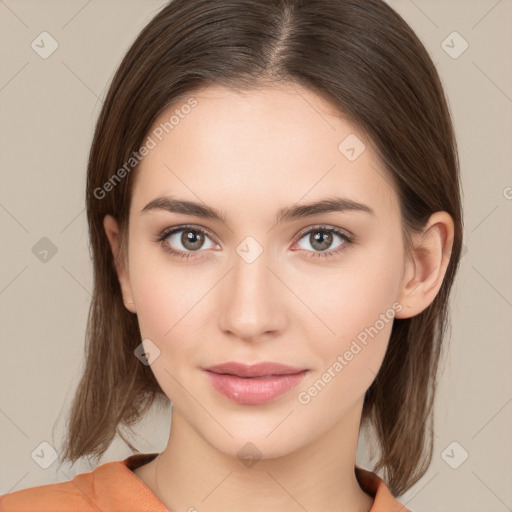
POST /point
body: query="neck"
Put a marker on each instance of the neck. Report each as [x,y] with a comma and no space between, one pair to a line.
[191,474]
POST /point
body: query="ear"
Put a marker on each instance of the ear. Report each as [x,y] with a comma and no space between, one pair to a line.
[112,230]
[426,267]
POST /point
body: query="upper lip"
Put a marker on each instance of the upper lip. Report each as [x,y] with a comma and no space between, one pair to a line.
[263,369]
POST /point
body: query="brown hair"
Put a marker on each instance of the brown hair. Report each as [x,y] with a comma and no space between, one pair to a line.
[362,57]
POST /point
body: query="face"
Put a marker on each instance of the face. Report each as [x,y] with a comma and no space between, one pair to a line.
[317,292]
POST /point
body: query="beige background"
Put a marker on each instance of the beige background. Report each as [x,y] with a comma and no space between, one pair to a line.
[48,110]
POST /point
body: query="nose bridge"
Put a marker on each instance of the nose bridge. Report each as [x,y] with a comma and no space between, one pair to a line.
[251,303]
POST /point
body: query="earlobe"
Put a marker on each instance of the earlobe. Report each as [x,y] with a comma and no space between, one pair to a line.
[426,267]
[112,231]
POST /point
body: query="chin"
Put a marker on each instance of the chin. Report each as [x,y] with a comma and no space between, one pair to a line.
[251,445]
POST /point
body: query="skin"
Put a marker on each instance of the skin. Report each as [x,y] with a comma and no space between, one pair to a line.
[248,155]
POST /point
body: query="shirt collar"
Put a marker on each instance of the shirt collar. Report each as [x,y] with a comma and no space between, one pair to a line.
[121,472]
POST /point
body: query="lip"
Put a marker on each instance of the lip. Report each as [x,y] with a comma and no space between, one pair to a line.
[254,384]
[264,369]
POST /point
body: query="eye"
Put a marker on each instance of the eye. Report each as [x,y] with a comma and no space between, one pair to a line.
[191,239]
[188,239]
[320,238]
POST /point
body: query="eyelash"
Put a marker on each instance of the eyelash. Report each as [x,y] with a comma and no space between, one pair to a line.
[348,240]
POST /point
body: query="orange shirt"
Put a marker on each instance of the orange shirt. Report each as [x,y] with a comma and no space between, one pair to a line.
[113,487]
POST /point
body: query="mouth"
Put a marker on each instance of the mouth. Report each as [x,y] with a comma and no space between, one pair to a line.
[256,384]
[264,369]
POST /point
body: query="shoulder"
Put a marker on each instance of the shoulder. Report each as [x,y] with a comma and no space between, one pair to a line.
[57,497]
[111,486]
[84,492]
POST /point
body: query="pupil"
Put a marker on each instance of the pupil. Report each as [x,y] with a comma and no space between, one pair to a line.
[324,238]
[191,239]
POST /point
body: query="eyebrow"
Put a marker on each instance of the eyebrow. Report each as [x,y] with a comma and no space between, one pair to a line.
[287,214]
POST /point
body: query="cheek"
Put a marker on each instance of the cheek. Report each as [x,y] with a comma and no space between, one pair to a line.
[348,361]
[356,289]
[172,302]
[163,292]
[165,301]
[356,308]
[171,315]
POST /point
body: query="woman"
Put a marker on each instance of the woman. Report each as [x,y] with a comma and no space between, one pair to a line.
[274,207]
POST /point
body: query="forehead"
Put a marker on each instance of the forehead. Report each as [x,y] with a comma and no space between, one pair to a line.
[262,148]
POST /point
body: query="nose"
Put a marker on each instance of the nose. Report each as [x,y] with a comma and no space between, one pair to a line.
[252,300]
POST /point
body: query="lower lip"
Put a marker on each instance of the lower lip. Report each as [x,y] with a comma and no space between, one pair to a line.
[254,391]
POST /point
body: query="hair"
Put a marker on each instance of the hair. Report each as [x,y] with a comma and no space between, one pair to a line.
[363,58]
